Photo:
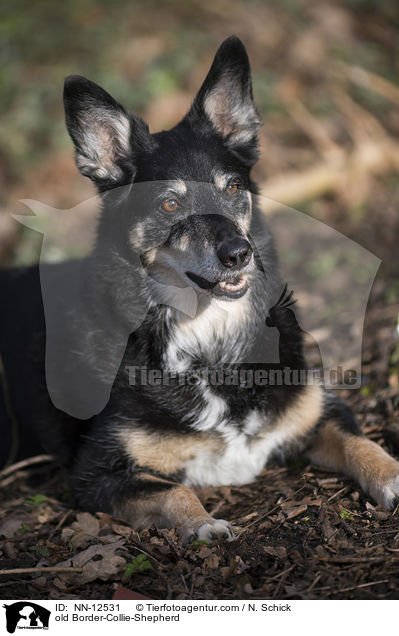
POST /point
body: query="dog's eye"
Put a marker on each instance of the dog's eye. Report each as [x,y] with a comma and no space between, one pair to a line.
[232,188]
[170,205]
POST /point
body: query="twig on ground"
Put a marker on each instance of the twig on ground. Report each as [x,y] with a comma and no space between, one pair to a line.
[26,463]
[336,494]
[356,587]
[44,569]
[60,523]
[316,580]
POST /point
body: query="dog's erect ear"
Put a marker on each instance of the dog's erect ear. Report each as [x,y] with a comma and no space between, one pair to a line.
[104,134]
[225,100]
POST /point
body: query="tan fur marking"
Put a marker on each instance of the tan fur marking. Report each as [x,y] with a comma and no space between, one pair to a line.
[356,456]
[149,257]
[181,505]
[303,415]
[327,451]
[184,243]
[137,235]
[177,507]
[166,453]
[221,180]
[155,478]
[180,187]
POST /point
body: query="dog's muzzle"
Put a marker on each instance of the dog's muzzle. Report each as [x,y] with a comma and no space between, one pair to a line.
[234,254]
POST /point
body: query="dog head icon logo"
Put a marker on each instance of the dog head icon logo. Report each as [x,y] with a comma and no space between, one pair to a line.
[26,615]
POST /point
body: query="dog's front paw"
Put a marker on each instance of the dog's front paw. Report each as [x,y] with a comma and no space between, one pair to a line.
[215,529]
[207,531]
[387,494]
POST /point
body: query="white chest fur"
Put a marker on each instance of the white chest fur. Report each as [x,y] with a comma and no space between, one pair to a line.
[218,322]
[240,460]
[244,453]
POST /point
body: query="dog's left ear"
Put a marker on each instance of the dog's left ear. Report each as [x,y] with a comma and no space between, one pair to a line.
[225,101]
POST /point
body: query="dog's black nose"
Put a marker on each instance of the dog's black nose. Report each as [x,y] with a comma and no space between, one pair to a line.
[235,253]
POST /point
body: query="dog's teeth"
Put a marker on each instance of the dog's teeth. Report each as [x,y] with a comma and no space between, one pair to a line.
[232,285]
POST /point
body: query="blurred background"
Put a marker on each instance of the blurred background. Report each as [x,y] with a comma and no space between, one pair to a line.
[326,83]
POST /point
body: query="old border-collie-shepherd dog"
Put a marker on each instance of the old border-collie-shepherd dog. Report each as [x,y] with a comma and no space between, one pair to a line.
[182,244]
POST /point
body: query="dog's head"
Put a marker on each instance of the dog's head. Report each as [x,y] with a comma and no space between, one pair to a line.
[189,205]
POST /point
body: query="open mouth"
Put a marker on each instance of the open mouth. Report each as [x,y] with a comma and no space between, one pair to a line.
[234,287]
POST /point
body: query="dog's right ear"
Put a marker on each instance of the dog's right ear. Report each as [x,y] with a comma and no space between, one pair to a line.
[105,135]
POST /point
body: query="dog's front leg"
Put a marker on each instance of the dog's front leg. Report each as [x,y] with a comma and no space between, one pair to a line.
[335,448]
[107,478]
[168,504]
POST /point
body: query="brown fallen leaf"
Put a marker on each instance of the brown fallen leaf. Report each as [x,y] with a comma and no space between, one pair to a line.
[109,538]
[11,527]
[311,501]
[204,552]
[67,534]
[46,513]
[81,532]
[86,523]
[106,565]
[279,551]
[295,511]
[236,566]
[104,519]
[124,531]
[106,568]
[328,530]
[212,562]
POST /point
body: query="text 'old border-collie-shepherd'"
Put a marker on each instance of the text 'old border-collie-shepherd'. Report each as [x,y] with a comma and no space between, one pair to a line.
[152,442]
